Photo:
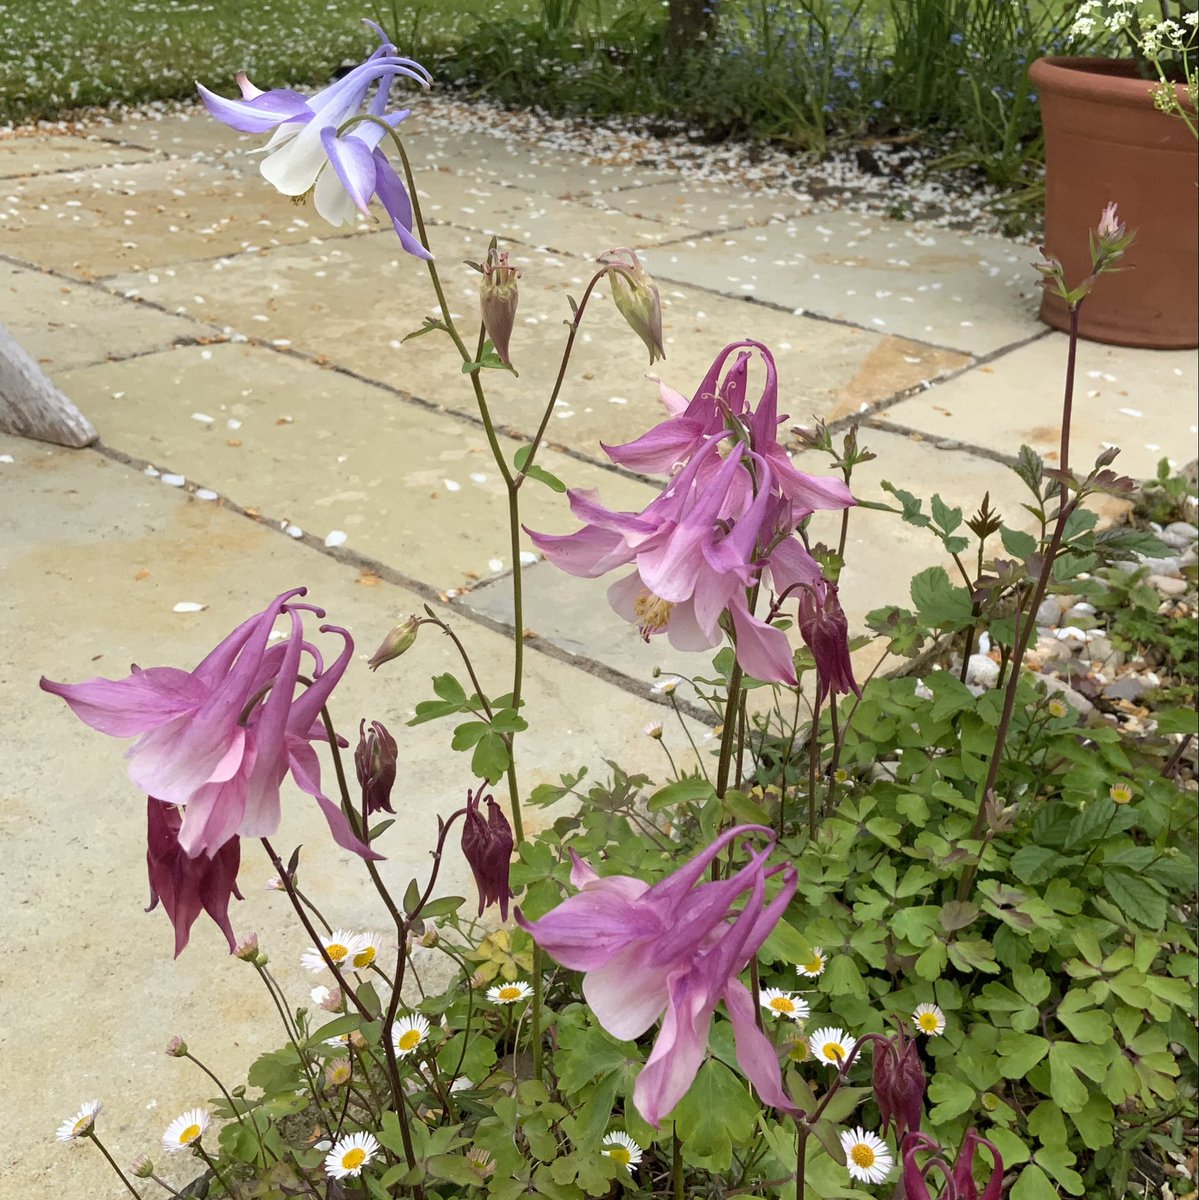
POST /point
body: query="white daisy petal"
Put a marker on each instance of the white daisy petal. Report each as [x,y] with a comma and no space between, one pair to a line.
[341,945]
[407,1033]
[830,1045]
[350,1154]
[619,1146]
[867,1156]
[815,965]
[186,1130]
[509,993]
[81,1124]
[784,1004]
[928,1018]
[366,951]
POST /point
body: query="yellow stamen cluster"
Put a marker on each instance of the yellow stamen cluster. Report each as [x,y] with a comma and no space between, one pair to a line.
[652,613]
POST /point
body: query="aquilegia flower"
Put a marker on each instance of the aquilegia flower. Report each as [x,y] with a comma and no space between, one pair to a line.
[699,550]
[899,1083]
[310,153]
[676,947]
[959,1178]
[375,764]
[487,848]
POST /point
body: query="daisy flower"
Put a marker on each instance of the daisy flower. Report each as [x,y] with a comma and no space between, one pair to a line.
[653,730]
[929,1019]
[366,949]
[623,1149]
[866,1155]
[186,1130]
[1057,707]
[340,946]
[81,1124]
[1120,793]
[784,1004]
[509,993]
[666,685]
[338,1072]
[481,1162]
[409,1032]
[350,1154]
[815,965]
[830,1045]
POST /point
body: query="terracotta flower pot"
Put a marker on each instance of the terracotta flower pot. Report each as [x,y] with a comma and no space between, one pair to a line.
[1104,141]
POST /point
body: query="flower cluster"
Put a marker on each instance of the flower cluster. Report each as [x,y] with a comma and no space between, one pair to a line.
[213,747]
[676,947]
[346,950]
[701,551]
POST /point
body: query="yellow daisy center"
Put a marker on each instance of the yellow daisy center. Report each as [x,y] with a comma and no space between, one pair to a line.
[814,966]
[351,1160]
[81,1125]
[783,1004]
[337,951]
[189,1135]
[928,1022]
[1121,794]
[364,958]
[798,1051]
[409,1040]
[509,993]
[652,613]
[832,1051]
[862,1155]
[620,1153]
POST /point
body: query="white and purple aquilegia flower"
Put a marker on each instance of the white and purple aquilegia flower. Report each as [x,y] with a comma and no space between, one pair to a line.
[310,154]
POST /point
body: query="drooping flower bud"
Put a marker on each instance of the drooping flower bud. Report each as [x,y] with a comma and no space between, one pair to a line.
[636,298]
[247,948]
[176,1047]
[825,631]
[898,1078]
[498,298]
[487,847]
[375,762]
[327,998]
[398,641]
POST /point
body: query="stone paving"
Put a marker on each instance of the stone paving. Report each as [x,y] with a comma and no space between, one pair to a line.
[227,343]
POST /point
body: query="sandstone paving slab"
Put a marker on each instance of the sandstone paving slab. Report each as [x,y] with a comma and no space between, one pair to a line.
[970,294]
[147,215]
[64,325]
[328,454]
[353,300]
[1140,400]
[44,154]
[93,559]
[706,207]
[187,133]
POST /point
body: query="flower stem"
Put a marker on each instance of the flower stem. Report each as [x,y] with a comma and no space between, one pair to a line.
[535,1014]
[112,1163]
[813,764]
[212,1167]
[801,1154]
[676,1166]
[728,731]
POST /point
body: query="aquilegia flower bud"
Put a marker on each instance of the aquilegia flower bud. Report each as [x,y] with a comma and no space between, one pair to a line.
[487,847]
[498,297]
[375,762]
[825,632]
[1109,240]
[398,641]
[636,297]
[898,1078]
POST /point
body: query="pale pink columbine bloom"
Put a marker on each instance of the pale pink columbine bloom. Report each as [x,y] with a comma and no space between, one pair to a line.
[674,948]
[210,742]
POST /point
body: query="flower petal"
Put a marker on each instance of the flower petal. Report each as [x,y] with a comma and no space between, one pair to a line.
[265,111]
[143,701]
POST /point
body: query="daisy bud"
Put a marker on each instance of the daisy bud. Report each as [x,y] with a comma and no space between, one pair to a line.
[375,762]
[142,1166]
[653,730]
[498,299]
[327,998]
[176,1047]
[247,948]
[487,847]
[636,298]
[398,641]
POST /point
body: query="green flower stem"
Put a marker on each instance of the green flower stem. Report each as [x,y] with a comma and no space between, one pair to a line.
[801,1154]
[112,1163]
[987,788]
[199,1149]
[229,1100]
[699,758]
[813,765]
[728,730]
[293,1038]
[676,1166]
[535,1014]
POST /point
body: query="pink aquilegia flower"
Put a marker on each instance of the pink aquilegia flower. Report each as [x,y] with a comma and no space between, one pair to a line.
[220,739]
[309,153]
[899,1084]
[487,848]
[675,948]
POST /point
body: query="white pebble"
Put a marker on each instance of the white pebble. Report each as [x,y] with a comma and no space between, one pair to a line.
[189,606]
[174,480]
[336,538]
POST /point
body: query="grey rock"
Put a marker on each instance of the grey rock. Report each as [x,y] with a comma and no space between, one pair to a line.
[982,671]
[1182,529]
[1168,586]
[1079,614]
[1103,654]
[1050,612]
[1128,687]
[1161,566]
[1076,700]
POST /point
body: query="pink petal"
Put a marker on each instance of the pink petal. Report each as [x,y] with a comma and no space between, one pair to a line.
[143,701]
[679,1051]
[762,650]
[668,443]
[755,1053]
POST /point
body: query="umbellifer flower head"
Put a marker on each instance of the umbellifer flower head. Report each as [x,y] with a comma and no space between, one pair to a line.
[928,1018]
[350,1154]
[408,1033]
[509,993]
[186,1130]
[619,1146]
[866,1155]
[784,1004]
[636,298]
[81,1124]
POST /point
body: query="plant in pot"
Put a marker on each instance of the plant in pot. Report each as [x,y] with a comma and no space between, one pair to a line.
[1124,128]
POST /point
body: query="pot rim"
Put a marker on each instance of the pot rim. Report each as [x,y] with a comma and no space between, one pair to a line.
[1097,79]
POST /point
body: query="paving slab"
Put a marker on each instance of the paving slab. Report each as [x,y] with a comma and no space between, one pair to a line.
[187,133]
[94,557]
[146,215]
[970,294]
[1140,400]
[44,154]
[353,300]
[324,452]
[64,325]
[699,206]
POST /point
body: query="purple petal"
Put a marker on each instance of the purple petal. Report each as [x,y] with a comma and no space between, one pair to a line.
[589,928]
[589,552]
[762,650]
[143,701]
[213,816]
[628,993]
[306,770]
[661,448]
[755,1054]
[394,198]
[679,1051]
[265,112]
[354,163]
